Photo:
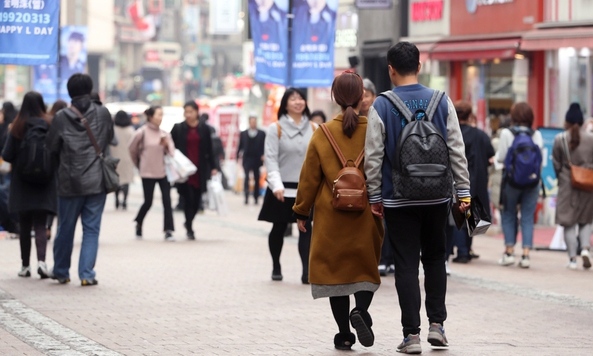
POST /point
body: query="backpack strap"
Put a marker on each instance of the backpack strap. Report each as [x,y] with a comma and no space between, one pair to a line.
[433,104]
[398,103]
[84,121]
[334,144]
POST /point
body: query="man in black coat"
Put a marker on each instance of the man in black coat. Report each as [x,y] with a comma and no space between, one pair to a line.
[251,150]
[479,153]
[80,180]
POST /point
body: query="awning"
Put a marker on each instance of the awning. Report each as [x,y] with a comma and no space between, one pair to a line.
[476,49]
[554,38]
[425,49]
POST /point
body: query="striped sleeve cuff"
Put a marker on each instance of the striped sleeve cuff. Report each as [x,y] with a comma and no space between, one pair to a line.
[374,199]
[463,193]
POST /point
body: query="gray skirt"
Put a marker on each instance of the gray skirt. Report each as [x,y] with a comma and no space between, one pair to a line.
[338,290]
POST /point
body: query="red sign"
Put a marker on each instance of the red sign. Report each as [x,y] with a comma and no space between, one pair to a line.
[430,10]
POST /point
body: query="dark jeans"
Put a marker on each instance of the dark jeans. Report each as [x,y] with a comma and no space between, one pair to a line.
[251,165]
[414,230]
[33,220]
[192,201]
[276,241]
[148,185]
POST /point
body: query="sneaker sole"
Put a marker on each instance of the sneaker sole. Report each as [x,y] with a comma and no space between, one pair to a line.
[436,339]
[363,332]
[586,262]
[414,349]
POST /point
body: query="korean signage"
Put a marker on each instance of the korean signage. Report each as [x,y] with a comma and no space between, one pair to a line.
[430,10]
[29,32]
[311,62]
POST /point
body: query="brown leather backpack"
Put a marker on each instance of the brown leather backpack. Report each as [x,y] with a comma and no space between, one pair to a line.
[349,187]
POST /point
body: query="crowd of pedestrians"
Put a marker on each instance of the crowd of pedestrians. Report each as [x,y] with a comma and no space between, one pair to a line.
[420,157]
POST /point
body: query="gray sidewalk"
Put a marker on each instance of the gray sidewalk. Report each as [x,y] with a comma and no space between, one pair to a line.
[214,296]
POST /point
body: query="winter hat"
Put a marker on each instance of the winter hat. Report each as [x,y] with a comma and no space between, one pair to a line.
[574,115]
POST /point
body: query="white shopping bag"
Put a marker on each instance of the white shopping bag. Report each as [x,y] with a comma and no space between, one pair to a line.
[216,199]
[178,167]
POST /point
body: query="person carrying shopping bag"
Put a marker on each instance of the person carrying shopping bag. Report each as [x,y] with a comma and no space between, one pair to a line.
[148,149]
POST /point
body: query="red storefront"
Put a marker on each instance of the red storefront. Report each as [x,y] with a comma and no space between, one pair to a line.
[486,65]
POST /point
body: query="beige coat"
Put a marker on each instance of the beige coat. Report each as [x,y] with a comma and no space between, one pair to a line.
[125,168]
[573,206]
[345,246]
[147,152]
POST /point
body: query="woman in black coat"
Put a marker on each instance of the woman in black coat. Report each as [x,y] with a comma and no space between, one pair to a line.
[31,201]
[193,139]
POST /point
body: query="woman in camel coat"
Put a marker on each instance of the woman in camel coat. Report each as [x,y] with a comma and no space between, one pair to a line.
[345,246]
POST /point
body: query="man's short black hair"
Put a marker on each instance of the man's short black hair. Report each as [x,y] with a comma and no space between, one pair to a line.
[79,84]
[404,58]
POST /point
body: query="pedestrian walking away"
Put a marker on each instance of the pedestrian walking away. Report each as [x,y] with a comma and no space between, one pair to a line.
[414,191]
[251,152]
[574,207]
[193,139]
[124,133]
[32,198]
[148,149]
[81,192]
[520,183]
[285,148]
[346,245]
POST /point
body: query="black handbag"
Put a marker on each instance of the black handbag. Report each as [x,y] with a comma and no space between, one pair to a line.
[108,163]
[479,220]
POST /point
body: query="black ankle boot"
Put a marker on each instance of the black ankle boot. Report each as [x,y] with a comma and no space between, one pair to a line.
[362,322]
[138,230]
[344,341]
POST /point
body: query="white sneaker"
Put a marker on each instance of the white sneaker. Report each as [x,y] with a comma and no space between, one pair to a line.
[42,270]
[506,260]
[572,265]
[525,262]
[586,258]
[169,236]
[25,272]
[447,269]
[382,270]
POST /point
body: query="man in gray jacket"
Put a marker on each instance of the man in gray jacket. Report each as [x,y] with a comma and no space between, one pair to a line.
[415,227]
[80,181]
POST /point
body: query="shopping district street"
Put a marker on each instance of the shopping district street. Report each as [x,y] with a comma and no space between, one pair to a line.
[214,296]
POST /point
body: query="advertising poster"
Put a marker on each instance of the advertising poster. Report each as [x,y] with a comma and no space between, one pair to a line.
[548,174]
[45,81]
[269,31]
[29,32]
[313,37]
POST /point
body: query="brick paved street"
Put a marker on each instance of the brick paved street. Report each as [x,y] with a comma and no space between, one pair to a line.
[214,296]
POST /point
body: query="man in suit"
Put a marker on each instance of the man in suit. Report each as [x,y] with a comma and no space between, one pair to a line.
[251,150]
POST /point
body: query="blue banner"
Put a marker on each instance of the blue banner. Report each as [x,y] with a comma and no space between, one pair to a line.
[45,81]
[313,37]
[269,31]
[29,32]
[548,174]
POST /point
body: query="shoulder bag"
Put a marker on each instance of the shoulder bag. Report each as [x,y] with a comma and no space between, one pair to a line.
[580,177]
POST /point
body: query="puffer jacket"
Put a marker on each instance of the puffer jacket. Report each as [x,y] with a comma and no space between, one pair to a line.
[79,170]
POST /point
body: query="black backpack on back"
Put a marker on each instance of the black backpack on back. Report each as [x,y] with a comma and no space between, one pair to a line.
[34,164]
[422,169]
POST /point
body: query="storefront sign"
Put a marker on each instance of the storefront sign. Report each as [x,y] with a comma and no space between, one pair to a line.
[430,10]
[374,4]
[472,5]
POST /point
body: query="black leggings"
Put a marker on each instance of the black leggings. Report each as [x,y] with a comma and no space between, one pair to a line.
[276,241]
[33,220]
[341,308]
[124,188]
[148,185]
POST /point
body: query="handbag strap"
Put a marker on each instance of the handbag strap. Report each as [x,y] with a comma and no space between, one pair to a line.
[337,149]
[84,121]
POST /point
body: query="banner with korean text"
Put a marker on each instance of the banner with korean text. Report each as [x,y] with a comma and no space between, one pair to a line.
[313,37]
[269,31]
[29,32]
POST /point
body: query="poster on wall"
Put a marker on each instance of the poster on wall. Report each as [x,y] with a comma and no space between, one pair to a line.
[269,31]
[50,79]
[29,32]
[548,174]
[312,44]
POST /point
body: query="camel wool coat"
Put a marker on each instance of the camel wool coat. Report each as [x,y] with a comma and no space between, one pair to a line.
[345,246]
